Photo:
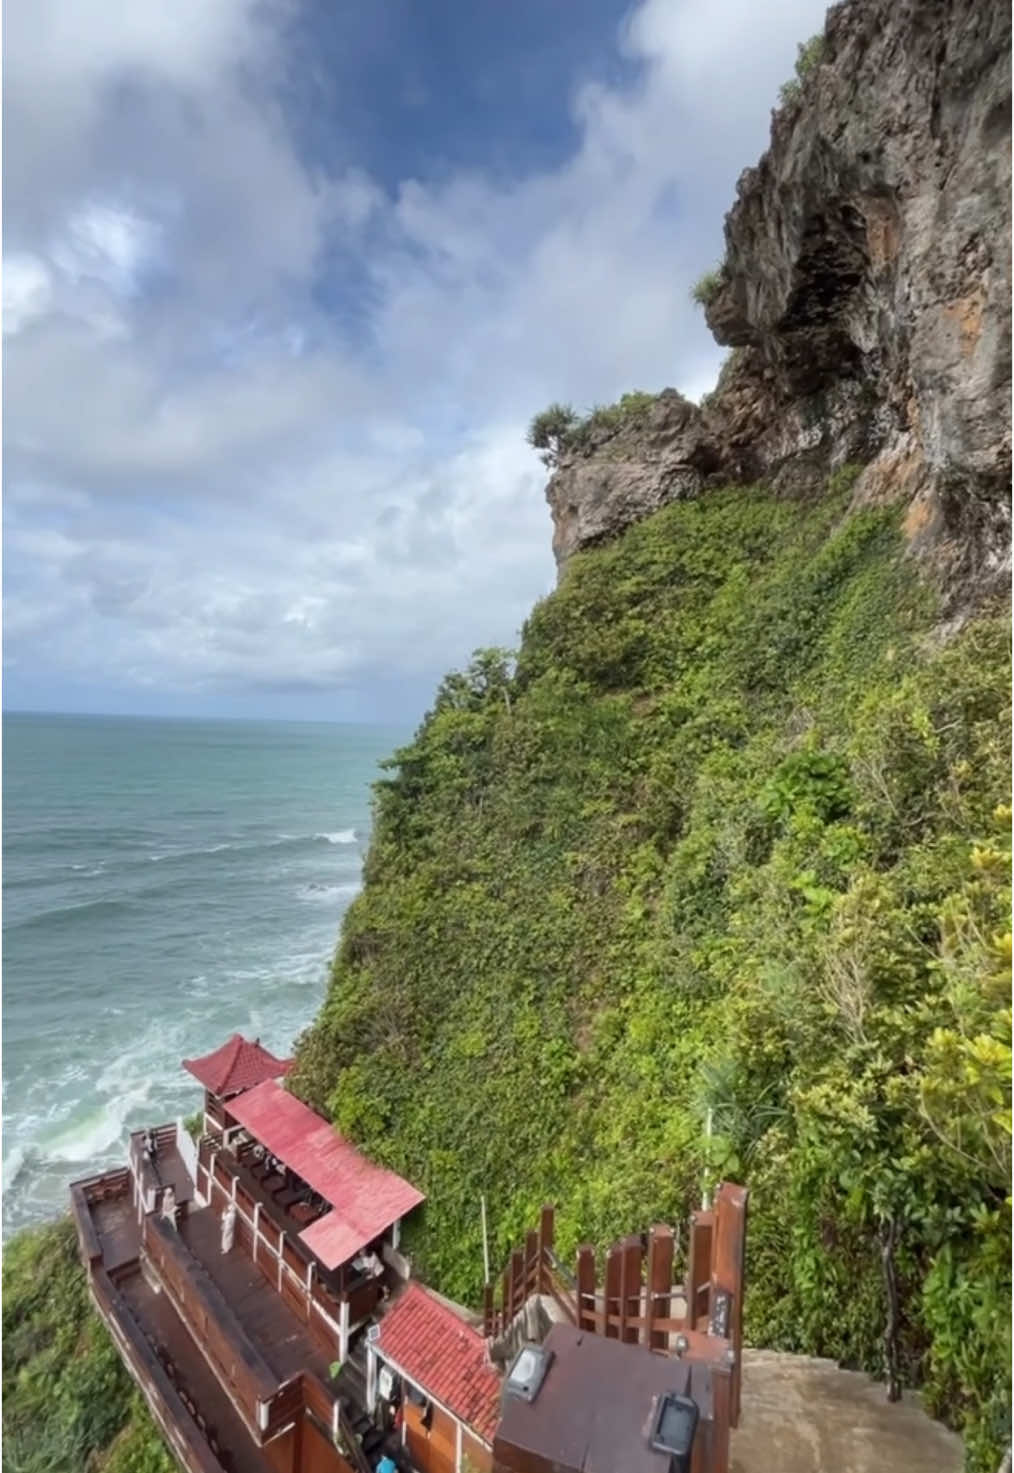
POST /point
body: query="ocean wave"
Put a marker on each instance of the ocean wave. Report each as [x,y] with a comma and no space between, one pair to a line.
[94,1134]
[317,891]
[59,915]
[257,846]
[14,1160]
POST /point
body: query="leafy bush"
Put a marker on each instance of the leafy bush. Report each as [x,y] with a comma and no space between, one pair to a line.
[548,430]
[726,838]
[68,1402]
[809,55]
[559,429]
[706,288]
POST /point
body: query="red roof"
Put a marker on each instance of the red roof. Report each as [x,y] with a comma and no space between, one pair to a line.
[237,1065]
[365,1198]
[446,1358]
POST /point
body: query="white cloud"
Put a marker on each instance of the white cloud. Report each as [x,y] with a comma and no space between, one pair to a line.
[232,461]
[27,291]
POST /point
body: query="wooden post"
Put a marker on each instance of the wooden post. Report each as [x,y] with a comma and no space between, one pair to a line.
[487,1311]
[721,1392]
[505,1300]
[485,1243]
[343,1331]
[661,1246]
[546,1231]
[630,1288]
[614,1274]
[728,1255]
[297,1441]
[586,1288]
[517,1282]
[531,1264]
[699,1266]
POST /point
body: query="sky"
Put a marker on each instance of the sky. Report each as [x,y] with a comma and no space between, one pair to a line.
[284,282]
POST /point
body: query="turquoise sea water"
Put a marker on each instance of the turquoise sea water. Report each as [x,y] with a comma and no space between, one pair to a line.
[165,883]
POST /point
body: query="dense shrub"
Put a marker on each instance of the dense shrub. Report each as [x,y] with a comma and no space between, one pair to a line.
[731,837]
[559,428]
[549,429]
[706,287]
[809,55]
[68,1402]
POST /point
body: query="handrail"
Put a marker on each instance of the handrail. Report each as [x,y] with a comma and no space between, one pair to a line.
[562,1272]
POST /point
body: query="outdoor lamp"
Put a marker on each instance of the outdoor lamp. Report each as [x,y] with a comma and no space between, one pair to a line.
[673,1430]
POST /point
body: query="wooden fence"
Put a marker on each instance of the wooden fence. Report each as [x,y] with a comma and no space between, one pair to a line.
[635,1300]
[533,1269]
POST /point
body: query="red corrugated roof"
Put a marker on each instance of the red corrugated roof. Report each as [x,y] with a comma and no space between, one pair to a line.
[237,1065]
[444,1357]
[365,1198]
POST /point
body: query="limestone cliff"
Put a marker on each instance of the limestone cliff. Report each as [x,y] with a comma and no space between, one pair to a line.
[866,293]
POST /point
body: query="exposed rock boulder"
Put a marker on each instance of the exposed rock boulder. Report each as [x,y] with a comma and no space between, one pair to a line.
[866,290]
[620,475]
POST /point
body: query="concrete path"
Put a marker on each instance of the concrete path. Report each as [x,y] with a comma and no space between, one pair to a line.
[802,1415]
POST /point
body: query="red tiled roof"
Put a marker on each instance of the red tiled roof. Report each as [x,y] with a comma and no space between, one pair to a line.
[237,1065]
[365,1198]
[444,1357]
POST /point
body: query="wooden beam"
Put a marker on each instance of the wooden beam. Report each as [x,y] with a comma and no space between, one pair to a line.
[661,1247]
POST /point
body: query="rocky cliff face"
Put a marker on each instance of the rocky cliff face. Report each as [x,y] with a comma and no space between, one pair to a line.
[866,293]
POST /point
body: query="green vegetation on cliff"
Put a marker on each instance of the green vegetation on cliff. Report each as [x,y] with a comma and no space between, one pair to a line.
[69,1405]
[730,837]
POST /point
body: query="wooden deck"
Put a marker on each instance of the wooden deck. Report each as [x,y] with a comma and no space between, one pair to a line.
[232,1356]
[193,1379]
[283,1340]
[119,1233]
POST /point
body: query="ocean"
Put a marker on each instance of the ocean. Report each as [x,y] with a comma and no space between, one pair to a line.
[165,883]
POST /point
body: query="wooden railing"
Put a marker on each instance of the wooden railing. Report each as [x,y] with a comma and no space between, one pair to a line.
[285,1263]
[147,1188]
[637,1301]
[533,1269]
[186,1440]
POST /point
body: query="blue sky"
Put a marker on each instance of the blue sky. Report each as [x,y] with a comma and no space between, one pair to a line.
[283,284]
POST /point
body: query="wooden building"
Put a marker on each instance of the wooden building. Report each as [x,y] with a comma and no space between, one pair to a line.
[433,1366]
[227,1071]
[255,1286]
[231,1308]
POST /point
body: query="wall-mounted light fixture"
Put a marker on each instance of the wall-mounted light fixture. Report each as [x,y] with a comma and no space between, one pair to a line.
[673,1430]
[528,1372]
